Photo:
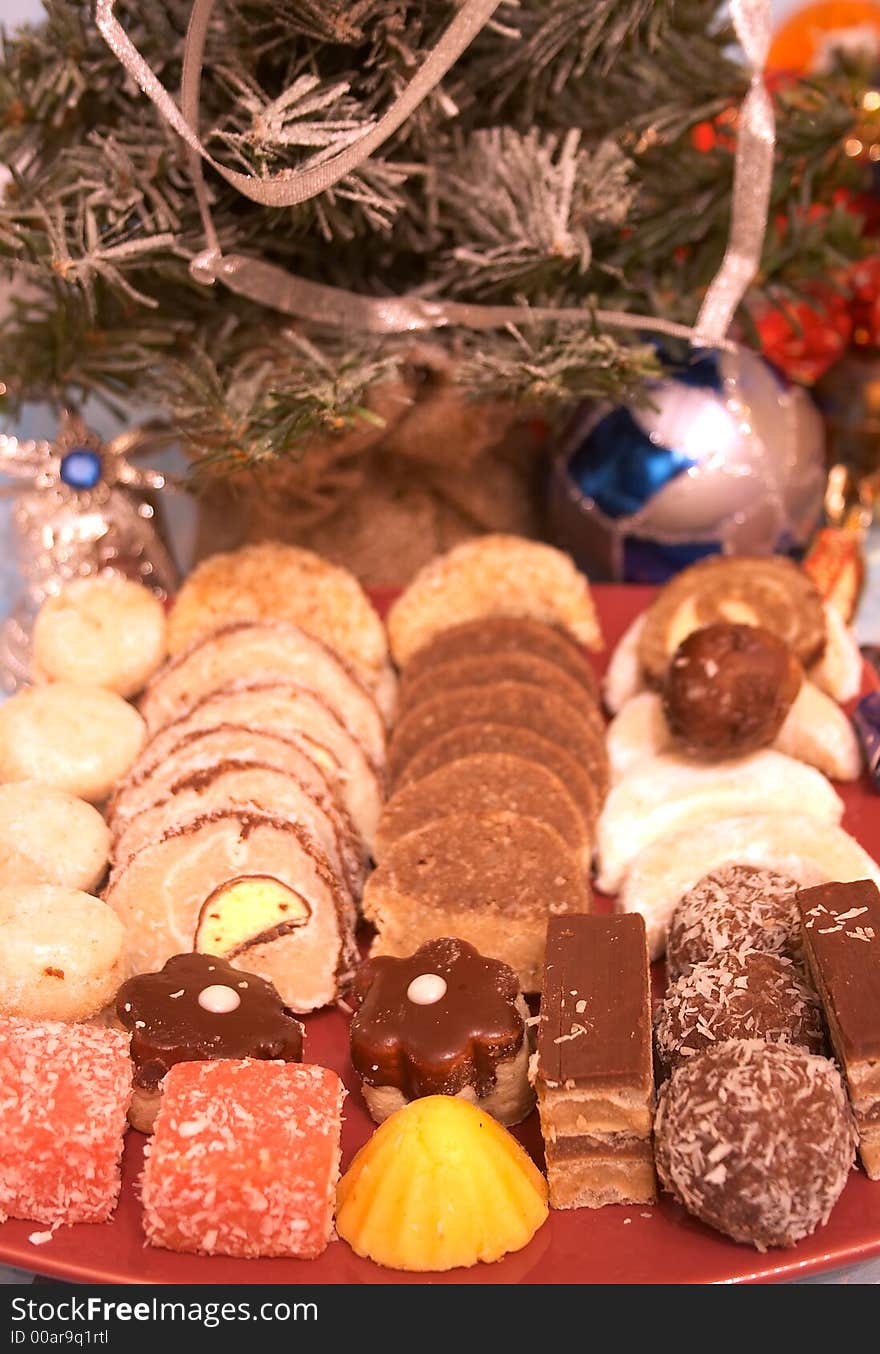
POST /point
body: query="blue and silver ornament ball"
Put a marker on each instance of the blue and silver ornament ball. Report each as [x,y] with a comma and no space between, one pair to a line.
[723,457]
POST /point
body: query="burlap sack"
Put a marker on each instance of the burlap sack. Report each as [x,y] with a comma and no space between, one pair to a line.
[384,500]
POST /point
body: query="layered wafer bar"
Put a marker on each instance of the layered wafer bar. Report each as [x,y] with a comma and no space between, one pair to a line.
[593,1069]
[841,928]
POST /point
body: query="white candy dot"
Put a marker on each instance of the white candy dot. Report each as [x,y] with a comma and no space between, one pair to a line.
[219,999]
[426,989]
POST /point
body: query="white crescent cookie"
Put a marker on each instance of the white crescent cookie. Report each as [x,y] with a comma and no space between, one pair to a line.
[839,670]
[815,731]
[638,731]
[63,953]
[103,631]
[792,844]
[623,676]
[666,793]
[81,739]
[50,837]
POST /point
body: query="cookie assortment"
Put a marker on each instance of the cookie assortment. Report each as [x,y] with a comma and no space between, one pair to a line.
[277,791]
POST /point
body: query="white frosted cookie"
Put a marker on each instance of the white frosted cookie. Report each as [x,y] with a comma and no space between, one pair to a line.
[792,844]
[103,631]
[493,576]
[623,677]
[668,793]
[839,670]
[63,953]
[50,837]
[815,731]
[81,739]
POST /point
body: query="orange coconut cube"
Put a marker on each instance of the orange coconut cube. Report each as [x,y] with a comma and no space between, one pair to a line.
[64,1093]
[244,1159]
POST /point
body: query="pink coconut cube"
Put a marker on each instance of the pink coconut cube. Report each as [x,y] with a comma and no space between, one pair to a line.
[64,1092]
[244,1159]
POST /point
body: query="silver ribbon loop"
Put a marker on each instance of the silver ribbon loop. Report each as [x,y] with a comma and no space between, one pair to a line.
[752,181]
[334,307]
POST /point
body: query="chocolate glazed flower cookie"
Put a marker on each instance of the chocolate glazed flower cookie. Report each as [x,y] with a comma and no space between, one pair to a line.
[443,1021]
[196,1009]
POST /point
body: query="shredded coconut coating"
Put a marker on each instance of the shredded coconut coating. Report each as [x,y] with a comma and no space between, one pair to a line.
[64,1093]
[244,1159]
[734,908]
[756,1140]
[745,995]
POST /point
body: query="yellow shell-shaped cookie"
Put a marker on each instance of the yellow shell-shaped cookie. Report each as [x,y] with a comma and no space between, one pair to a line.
[440,1185]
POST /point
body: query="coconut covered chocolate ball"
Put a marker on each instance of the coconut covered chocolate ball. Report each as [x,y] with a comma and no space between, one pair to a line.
[728,689]
[756,1140]
[736,996]
[736,907]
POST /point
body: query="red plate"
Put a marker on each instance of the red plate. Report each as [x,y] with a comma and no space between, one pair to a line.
[608,1245]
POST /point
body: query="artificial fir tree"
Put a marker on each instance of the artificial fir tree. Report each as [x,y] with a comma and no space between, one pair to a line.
[562,161]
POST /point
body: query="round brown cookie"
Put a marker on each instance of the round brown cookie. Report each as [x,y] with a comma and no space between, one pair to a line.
[486,783]
[493,880]
[728,689]
[749,995]
[737,907]
[505,667]
[514,703]
[495,635]
[493,575]
[756,1140]
[472,739]
[769,591]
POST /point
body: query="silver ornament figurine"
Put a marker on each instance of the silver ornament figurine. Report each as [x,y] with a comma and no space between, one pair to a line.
[80,508]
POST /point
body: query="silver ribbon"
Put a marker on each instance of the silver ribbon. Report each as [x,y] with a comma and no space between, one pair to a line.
[752,180]
[333,307]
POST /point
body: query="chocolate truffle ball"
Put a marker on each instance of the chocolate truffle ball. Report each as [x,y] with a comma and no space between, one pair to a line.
[756,1140]
[734,908]
[728,689]
[749,995]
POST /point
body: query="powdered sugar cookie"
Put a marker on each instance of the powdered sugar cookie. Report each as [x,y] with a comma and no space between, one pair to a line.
[81,739]
[103,631]
[63,953]
[493,576]
[50,837]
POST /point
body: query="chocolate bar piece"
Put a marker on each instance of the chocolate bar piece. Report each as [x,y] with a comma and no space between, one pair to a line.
[593,1071]
[842,942]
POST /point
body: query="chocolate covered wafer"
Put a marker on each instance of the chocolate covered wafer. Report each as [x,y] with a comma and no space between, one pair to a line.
[593,1072]
[841,927]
